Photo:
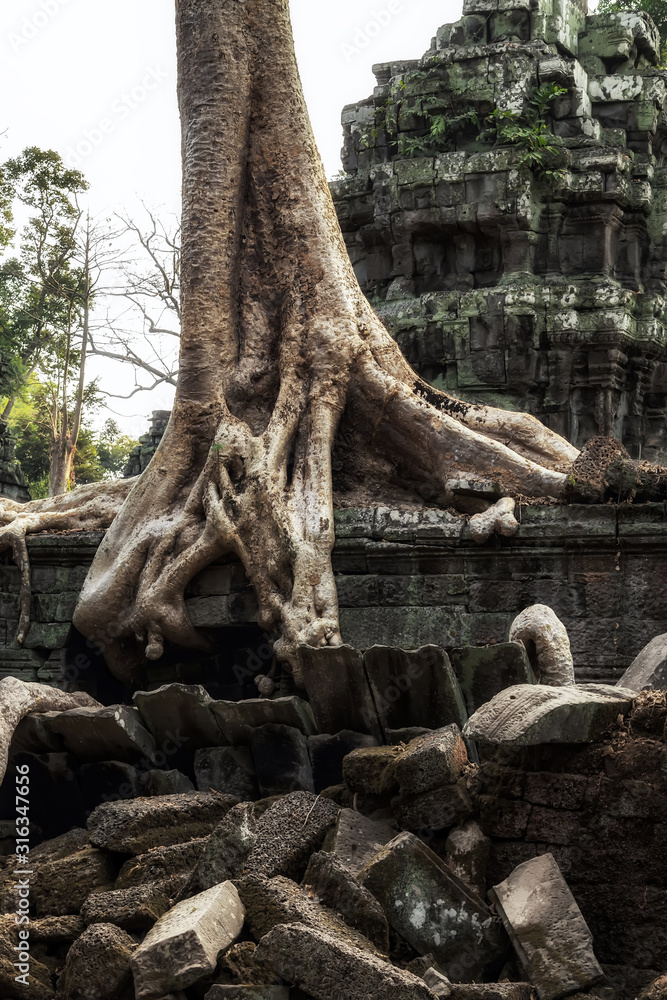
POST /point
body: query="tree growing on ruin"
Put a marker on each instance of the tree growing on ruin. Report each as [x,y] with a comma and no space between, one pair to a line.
[286,375]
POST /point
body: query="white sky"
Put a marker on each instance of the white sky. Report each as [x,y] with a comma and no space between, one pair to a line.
[67,66]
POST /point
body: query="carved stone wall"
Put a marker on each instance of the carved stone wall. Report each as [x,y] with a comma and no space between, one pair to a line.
[12,481]
[502,284]
[142,453]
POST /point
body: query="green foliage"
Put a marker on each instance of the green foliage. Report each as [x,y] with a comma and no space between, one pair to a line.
[528,130]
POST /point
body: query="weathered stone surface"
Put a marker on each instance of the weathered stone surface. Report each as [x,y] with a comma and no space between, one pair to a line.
[549,934]
[227,769]
[371,770]
[491,991]
[414,687]
[329,969]
[338,889]
[238,719]
[281,759]
[431,761]
[113,733]
[167,868]
[437,983]
[184,944]
[530,714]
[338,690]
[467,853]
[438,809]
[98,966]
[220,992]
[289,832]
[36,984]
[484,671]
[164,783]
[240,961]
[226,850]
[57,930]
[180,711]
[433,910]
[61,886]
[355,839]
[136,826]
[657,990]
[328,752]
[132,909]
[649,669]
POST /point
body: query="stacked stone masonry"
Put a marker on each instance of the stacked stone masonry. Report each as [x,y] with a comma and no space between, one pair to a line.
[506,285]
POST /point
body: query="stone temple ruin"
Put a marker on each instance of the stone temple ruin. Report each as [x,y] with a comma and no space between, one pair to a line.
[469,799]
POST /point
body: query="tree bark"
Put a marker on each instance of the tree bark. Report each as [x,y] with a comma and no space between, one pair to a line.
[282,360]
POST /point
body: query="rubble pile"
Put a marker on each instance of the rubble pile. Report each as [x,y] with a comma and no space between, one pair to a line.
[505,856]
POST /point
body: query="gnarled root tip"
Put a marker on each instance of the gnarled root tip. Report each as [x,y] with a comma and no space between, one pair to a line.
[547,643]
[498,518]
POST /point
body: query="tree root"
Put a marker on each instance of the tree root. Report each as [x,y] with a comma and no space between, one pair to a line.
[548,645]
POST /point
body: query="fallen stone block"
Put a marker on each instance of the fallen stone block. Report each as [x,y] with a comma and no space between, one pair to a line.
[167,868]
[648,671]
[153,783]
[220,992]
[490,991]
[281,759]
[227,769]
[485,671]
[35,982]
[338,690]
[467,854]
[438,984]
[550,936]
[135,826]
[431,761]
[226,850]
[330,969]
[438,809]
[530,714]
[355,839]
[239,719]
[98,965]
[132,909]
[327,754]
[61,887]
[241,962]
[657,990]
[184,945]
[179,715]
[113,733]
[414,687]
[289,832]
[371,770]
[338,889]
[433,910]
[57,930]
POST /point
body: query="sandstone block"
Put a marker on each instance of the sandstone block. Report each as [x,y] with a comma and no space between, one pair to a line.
[467,853]
[549,934]
[113,733]
[184,944]
[338,889]
[179,712]
[649,668]
[431,761]
[338,689]
[227,769]
[484,671]
[238,719]
[355,839]
[371,770]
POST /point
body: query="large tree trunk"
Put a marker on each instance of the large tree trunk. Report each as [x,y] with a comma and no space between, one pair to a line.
[282,359]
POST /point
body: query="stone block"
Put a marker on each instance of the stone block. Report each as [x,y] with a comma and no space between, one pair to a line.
[226,992]
[338,690]
[227,769]
[528,715]
[132,909]
[289,832]
[164,783]
[439,809]
[184,944]
[356,839]
[238,719]
[327,968]
[549,934]
[281,760]
[135,826]
[113,733]
[57,930]
[98,965]
[336,887]
[648,671]
[371,770]
[484,671]
[225,851]
[431,761]
[182,711]
[467,854]
[433,910]
[328,752]
[166,868]
[414,687]
[61,886]
[558,791]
